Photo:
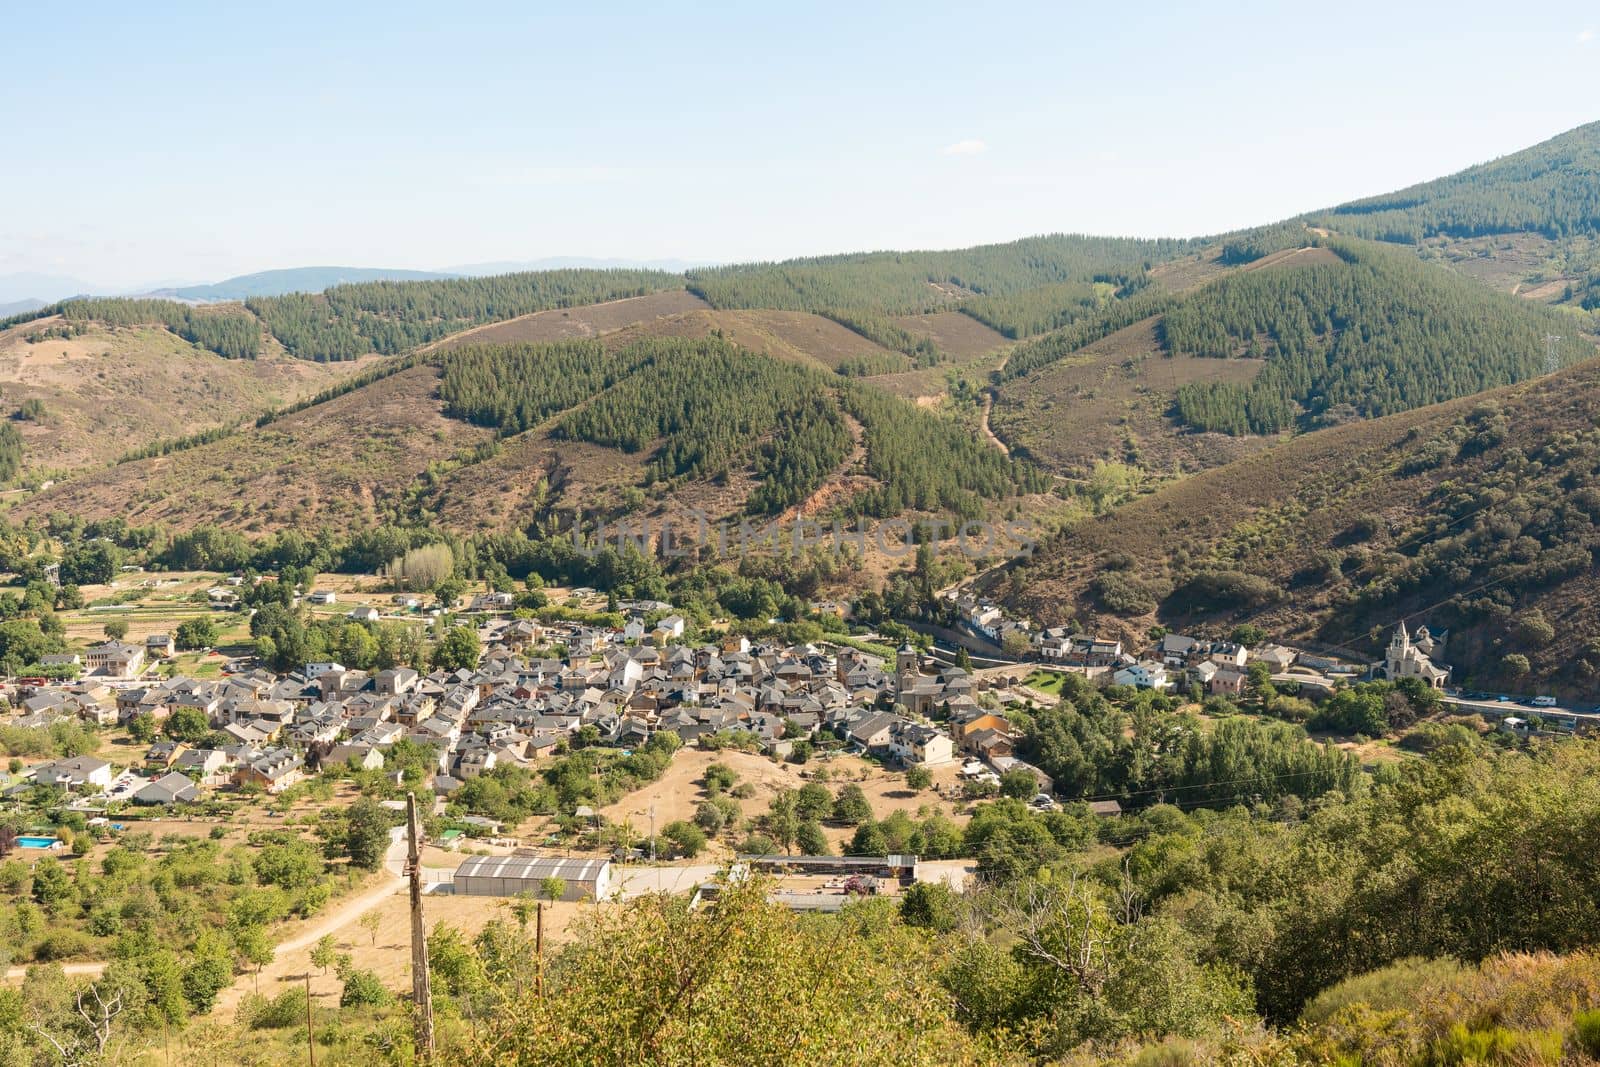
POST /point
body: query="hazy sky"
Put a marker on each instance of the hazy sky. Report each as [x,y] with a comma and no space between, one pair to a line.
[174,141]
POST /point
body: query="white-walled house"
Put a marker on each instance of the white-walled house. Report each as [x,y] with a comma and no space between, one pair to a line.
[1146,674]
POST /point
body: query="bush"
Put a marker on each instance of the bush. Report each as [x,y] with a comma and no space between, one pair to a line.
[709,817]
[63,945]
[1121,595]
[930,905]
[362,989]
[687,839]
[719,778]
[1395,987]
[1210,590]
[282,1011]
[1586,1032]
[757,845]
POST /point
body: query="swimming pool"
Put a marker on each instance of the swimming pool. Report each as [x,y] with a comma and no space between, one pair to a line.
[37,842]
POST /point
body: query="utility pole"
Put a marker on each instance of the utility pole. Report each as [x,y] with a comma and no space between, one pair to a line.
[652,833]
[421,994]
[538,948]
[311,1039]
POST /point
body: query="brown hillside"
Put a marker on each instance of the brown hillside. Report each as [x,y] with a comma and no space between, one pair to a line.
[590,321]
[1111,401]
[961,337]
[110,391]
[341,464]
[1469,515]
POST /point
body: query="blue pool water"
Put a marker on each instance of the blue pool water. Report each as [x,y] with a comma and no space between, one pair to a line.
[36,842]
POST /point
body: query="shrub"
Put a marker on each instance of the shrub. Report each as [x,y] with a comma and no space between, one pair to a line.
[362,989]
[719,778]
[64,944]
[1586,1032]
[1209,590]
[930,905]
[686,838]
[284,1010]
[1396,986]
[1117,593]
[757,845]
[1173,1052]
[709,817]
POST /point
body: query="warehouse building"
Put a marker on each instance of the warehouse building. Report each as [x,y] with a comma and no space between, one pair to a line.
[509,876]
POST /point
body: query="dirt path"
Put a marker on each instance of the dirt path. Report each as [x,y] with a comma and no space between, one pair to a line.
[344,915]
[988,431]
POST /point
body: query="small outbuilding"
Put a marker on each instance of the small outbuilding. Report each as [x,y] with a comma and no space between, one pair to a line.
[509,876]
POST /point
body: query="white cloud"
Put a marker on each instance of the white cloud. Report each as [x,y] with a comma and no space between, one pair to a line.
[970,147]
[1585,36]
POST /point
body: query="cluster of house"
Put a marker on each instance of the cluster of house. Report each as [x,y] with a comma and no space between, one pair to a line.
[1175,660]
[618,686]
[987,619]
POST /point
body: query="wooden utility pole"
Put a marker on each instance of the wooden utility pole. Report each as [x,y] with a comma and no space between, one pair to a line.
[421,994]
[538,948]
[311,1040]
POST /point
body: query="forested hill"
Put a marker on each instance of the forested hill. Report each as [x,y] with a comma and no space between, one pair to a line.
[903,283]
[1371,333]
[1480,516]
[1552,188]
[698,409]
[348,321]
[1347,329]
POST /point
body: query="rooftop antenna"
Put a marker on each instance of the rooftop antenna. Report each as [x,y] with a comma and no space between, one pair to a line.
[1552,361]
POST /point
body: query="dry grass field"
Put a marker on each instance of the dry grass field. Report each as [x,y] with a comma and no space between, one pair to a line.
[678,792]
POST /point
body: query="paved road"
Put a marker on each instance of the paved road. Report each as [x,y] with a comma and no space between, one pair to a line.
[1498,708]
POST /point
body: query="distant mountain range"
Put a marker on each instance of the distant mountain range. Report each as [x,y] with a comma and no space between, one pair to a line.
[17,307]
[676,266]
[291,280]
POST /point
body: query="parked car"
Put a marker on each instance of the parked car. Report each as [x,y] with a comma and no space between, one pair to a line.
[1543,702]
